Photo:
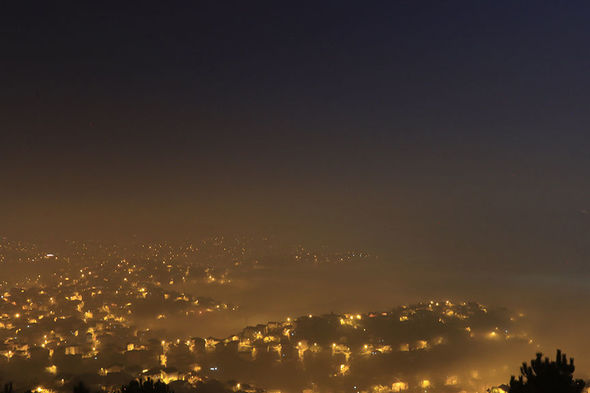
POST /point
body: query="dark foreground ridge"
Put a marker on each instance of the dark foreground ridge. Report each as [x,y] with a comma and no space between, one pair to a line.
[542,376]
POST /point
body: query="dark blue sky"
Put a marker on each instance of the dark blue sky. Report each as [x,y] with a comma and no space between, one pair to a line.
[454,132]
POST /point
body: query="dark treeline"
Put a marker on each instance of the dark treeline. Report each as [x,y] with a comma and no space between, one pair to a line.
[151,386]
[541,376]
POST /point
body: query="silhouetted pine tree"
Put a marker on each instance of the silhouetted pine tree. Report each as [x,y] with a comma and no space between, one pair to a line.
[544,376]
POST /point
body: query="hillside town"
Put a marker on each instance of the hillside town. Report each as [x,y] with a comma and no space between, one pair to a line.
[91,325]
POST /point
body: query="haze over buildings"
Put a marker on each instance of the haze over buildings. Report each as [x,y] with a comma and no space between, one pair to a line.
[404,152]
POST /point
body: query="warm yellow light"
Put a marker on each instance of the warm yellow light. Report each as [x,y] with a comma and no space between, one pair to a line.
[344,369]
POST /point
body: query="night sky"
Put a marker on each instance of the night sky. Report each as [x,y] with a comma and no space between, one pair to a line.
[448,134]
